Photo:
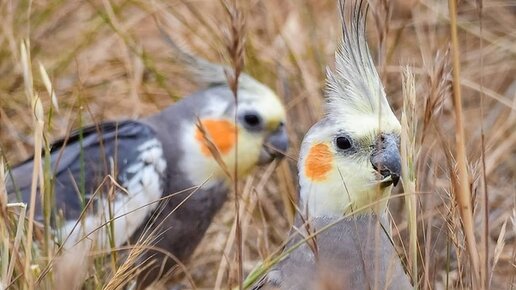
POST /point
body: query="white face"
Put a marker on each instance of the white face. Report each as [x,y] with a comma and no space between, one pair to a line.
[259,119]
[337,173]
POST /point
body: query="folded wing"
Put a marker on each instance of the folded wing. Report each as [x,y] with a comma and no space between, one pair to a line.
[127,151]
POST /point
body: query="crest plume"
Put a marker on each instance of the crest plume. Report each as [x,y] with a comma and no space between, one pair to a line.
[354,87]
[207,73]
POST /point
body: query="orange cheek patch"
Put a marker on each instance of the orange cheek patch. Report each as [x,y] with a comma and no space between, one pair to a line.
[318,162]
[221,132]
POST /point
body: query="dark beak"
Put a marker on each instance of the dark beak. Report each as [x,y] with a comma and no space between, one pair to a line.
[386,158]
[275,146]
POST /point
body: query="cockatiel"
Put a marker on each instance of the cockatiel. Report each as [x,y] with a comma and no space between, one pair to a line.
[349,162]
[168,156]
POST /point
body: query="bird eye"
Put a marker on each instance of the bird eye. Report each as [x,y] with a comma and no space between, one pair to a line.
[252,120]
[343,143]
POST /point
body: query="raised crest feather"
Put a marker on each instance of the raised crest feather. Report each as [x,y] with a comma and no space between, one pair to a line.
[354,87]
[210,74]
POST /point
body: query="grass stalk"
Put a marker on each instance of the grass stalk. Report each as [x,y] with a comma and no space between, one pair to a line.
[462,193]
[48,179]
[109,16]
[408,176]
[38,123]
[485,205]
[4,232]
[235,47]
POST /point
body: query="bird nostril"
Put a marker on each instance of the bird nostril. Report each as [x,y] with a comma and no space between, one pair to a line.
[386,172]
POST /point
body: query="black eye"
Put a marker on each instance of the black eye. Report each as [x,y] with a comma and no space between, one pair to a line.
[252,120]
[343,143]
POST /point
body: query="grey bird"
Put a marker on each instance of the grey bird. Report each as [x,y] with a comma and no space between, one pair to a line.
[349,162]
[172,168]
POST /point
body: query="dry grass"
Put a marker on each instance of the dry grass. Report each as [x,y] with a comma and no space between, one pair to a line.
[107,60]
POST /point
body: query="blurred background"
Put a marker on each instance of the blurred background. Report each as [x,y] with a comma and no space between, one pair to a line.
[107,60]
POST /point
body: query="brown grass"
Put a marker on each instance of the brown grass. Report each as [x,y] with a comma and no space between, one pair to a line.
[107,60]
[461,188]
[408,150]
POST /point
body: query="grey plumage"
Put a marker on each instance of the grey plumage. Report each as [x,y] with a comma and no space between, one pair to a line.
[354,253]
[93,157]
[181,231]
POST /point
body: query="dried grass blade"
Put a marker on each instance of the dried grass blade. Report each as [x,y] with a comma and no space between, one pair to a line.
[500,244]
[213,148]
[38,123]
[4,231]
[409,156]
[48,85]
[235,46]
[462,191]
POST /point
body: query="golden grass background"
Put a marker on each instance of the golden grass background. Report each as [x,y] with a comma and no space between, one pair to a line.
[107,60]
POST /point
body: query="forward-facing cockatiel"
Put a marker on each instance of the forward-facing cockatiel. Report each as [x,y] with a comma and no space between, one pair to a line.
[168,166]
[349,162]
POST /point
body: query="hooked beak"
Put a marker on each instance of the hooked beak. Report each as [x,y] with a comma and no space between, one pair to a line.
[386,159]
[274,146]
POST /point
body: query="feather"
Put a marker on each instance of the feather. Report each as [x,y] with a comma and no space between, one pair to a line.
[354,87]
[210,74]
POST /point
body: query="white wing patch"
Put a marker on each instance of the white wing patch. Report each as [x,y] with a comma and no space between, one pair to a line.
[127,210]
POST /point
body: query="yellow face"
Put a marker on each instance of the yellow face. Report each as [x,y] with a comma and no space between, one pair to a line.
[256,128]
[339,170]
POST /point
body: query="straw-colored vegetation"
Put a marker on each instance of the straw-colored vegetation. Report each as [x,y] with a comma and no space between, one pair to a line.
[64,64]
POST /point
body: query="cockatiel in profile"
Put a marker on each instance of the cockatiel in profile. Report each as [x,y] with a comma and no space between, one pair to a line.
[168,166]
[349,162]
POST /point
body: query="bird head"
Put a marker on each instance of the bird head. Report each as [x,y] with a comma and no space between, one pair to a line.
[350,159]
[229,132]
[245,133]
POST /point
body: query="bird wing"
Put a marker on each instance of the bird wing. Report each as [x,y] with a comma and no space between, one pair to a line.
[81,162]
